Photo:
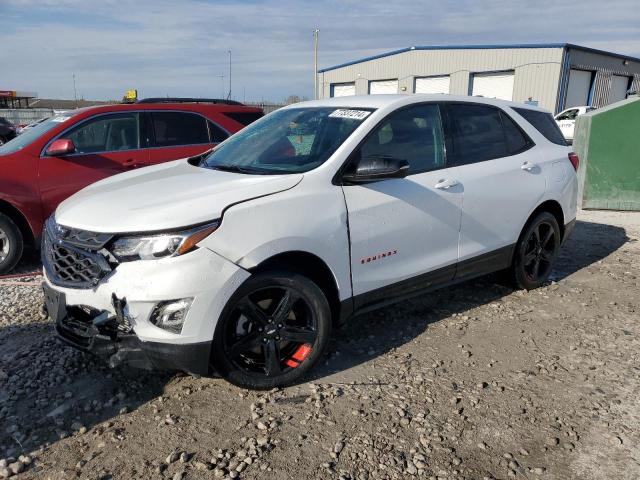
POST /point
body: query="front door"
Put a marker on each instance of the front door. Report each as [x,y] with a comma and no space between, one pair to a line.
[404,232]
[105,145]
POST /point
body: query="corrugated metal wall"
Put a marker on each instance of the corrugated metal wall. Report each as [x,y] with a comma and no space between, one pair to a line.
[537,71]
[605,67]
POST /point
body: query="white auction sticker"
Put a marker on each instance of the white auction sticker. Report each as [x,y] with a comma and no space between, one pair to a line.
[348,113]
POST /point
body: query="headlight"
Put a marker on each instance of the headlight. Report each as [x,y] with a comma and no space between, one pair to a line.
[162,245]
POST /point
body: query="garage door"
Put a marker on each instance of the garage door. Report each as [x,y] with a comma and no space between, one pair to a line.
[383,86]
[493,85]
[432,84]
[579,88]
[343,89]
[619,86]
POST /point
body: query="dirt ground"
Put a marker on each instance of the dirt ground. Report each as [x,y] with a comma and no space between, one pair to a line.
[473,382]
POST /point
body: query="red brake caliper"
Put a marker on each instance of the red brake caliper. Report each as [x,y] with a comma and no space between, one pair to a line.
[299,355]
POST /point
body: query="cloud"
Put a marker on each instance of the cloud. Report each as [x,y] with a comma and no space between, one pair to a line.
[180,48]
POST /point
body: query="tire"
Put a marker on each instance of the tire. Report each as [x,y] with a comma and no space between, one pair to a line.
[273,330]
[11,244]
[536,251]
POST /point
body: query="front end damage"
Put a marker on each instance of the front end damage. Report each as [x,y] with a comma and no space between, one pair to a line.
[110,337]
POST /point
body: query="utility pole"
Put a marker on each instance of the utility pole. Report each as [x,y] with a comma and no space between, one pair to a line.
[75,93]
[315,63]
[229,96]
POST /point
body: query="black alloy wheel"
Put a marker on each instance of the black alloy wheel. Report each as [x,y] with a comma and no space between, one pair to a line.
[537,251]
[272,331]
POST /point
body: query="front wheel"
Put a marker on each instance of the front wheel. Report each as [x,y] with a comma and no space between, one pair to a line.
[536,251]
[272,331]
[11,244]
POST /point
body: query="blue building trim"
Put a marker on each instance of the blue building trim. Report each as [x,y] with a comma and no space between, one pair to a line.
[481,47]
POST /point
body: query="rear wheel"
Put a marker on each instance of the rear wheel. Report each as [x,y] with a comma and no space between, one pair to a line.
[536,251]
[11,244]
[272,331]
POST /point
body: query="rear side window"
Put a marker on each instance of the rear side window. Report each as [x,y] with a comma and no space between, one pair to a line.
[179,128]
[517,140]
[216,134]
[544,123]
[476,134]
[244,118]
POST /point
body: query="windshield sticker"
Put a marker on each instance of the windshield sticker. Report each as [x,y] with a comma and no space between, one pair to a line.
[348,113]
[60,119]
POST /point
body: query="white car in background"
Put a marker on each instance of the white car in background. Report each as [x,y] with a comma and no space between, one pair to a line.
[566,120]
[242,259]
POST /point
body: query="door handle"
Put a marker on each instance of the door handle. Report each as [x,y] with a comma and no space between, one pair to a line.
[446,184]
[528,167]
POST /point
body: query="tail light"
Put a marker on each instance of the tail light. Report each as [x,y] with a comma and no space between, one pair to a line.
[575,161]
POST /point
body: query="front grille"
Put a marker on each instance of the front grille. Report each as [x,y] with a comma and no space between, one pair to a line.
[71,257]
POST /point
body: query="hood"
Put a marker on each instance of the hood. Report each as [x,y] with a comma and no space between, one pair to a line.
[164,197]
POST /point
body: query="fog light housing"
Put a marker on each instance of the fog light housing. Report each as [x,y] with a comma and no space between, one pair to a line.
[170,315]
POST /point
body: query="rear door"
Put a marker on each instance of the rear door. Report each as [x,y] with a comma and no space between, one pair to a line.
[502,178]
[106,144]
[404,232]
[176,134]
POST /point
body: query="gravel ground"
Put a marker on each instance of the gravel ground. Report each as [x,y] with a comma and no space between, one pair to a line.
[473,382]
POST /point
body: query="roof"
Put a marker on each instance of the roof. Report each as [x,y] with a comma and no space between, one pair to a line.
[481,47]
[381,101]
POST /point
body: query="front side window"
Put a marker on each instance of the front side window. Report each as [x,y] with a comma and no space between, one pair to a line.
[107,133]
[568,115]
[290,140]
[179,128]
[413,134]
[476,134]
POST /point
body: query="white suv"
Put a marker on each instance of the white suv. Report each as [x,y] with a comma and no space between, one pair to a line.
[240,261]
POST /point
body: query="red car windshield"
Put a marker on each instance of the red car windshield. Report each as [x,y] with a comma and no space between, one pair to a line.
[28,137]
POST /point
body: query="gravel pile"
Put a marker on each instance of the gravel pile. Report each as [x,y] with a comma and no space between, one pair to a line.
[474,382]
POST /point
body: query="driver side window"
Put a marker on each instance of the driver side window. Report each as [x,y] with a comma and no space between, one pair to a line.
[107,133]
[413,134]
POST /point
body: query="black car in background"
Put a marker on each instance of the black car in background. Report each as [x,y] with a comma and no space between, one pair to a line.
[7,130]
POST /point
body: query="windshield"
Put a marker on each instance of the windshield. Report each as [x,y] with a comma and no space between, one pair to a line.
[31,135]
[290,140]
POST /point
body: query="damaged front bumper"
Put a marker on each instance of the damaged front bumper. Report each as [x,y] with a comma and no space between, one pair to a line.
[111,337]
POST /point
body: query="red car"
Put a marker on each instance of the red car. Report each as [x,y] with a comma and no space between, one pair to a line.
[55,159]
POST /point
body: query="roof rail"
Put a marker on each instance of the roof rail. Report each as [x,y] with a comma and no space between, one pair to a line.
[188,100]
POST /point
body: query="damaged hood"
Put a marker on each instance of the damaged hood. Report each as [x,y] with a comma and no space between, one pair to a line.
[164,197]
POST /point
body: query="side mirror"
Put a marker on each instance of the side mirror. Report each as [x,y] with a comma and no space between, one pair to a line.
[61,146]
[373,169]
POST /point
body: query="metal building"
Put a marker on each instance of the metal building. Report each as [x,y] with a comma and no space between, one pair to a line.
[554,76]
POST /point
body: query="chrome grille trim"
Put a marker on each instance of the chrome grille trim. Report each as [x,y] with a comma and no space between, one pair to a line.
[67,259]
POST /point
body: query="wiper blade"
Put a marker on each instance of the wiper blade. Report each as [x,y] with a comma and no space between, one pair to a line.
[235,169]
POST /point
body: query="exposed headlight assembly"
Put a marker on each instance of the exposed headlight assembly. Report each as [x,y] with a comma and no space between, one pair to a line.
[152,247]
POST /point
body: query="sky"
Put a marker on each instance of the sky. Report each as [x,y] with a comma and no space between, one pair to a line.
[180,47]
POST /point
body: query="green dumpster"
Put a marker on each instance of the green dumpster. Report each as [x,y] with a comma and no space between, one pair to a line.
[607,141]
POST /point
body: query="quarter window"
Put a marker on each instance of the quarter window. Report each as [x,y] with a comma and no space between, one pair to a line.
[179,128]
[107,133]
[544,123]
[413,134]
